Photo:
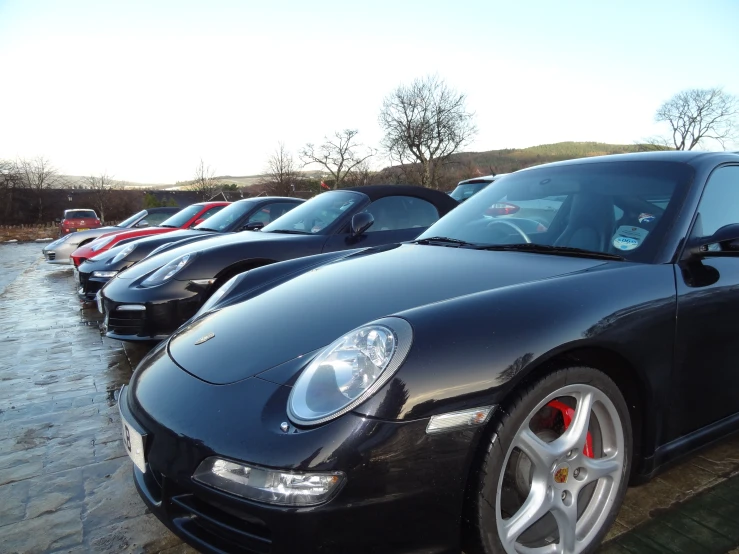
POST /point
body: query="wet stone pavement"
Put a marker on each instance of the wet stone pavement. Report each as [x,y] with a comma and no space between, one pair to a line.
[65,481]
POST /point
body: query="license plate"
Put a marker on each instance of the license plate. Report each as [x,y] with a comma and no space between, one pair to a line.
[133,442]
[99,301]
[83,229]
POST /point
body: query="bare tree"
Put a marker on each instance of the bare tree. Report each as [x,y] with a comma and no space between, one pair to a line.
[697,115]
[102,186]
[281,172]
[38,175]
[425,123]
[205,182]
[360,176]
[338,154]
[10,181]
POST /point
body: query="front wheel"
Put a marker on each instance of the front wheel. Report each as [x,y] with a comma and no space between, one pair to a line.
[553,476]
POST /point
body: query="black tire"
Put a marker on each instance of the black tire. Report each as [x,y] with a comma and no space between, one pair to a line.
[481,533]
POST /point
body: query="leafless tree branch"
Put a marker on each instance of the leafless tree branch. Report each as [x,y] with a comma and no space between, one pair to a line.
[425,123]
[698,115]
[281,172]
[339,154]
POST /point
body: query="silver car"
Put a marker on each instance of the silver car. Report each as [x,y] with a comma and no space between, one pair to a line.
[58,252]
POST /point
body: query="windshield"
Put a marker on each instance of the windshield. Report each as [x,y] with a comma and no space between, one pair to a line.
[183,216]
[79,214]
[133,219]
[315,215]
[463,192]
[619,208]
[224,220]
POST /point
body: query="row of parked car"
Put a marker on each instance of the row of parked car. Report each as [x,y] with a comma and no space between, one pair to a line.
[383,369]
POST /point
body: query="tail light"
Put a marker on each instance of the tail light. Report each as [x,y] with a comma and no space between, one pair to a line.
[502,208]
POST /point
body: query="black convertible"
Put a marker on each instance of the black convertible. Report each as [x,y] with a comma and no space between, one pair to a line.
[154,297]
[481,387]
[243,215]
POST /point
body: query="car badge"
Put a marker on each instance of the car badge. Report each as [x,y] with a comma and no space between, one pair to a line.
[205,338]
[560,477]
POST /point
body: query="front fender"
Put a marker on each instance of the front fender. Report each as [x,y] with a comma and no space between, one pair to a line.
[473,350]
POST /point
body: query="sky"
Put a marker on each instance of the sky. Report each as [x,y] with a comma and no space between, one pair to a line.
[143,90]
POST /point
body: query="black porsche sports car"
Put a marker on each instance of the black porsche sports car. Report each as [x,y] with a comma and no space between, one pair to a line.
[154,297]
[243,215]
[480,387]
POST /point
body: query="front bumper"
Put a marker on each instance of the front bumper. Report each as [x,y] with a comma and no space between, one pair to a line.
[133,315]
[404,491]
[87,285]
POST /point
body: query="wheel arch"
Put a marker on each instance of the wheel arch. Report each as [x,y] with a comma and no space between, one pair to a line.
[627,377]
[239,267]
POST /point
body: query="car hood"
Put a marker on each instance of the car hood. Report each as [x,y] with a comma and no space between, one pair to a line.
[144,246]
[314,309]
[148,265]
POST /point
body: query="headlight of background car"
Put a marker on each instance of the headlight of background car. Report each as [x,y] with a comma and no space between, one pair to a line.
[123,253]
[164,274]
[57,242]
[99,243]
[349,371]
[218,294]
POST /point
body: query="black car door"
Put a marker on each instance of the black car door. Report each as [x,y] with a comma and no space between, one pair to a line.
[706,384]
[397,219]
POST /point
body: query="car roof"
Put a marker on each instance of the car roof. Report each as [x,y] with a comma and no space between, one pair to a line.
[269,199]
[680,156]
[438,198]
[482,179]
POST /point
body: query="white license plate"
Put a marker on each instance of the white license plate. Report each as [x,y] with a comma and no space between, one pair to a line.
[99,301]
[83,229]
[133,442]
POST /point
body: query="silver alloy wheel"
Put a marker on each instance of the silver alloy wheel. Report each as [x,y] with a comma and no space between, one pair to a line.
[560,471]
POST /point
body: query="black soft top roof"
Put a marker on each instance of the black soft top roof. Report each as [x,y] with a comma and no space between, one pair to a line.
[443,202]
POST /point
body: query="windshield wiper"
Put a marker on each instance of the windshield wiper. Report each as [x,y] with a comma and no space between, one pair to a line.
[290,232]
[546,249]
[445,241]
[170,226]
[206,229]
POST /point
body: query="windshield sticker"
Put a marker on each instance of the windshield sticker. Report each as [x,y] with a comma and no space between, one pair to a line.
[646,218]
[629,238]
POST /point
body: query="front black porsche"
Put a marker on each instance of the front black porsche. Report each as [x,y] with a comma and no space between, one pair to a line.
[312,416]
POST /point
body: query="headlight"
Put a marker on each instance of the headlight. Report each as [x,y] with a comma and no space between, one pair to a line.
[218,294]
[267,485]
[123,253]
[104,274]
[165,273]
[99,243]
[349,371]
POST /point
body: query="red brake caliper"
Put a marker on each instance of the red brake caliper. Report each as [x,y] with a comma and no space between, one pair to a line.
[567,415]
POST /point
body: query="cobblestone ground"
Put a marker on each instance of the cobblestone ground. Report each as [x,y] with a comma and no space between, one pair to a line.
[65,481]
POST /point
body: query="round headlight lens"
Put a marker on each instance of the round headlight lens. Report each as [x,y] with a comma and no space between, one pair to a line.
[168,271]
[124,253]
[349,371]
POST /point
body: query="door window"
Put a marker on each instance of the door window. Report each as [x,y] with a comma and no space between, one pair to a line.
[719,204]
[393,213]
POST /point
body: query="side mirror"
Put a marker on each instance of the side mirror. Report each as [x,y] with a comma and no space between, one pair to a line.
[727,237]
[142,223]
[253,226]
[361,222]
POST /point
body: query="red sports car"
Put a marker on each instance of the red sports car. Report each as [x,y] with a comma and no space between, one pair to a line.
[78,220]
[188,217]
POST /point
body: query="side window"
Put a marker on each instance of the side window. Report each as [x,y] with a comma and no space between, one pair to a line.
[155,219]
[270,212]
[719,204]
[393,213]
